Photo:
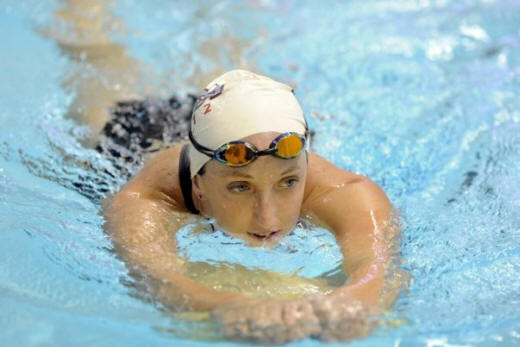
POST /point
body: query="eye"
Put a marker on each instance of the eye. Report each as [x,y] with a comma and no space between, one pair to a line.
[238,187]
[289,182]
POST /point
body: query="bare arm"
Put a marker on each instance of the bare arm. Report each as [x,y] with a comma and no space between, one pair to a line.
[360,215]
[142,220]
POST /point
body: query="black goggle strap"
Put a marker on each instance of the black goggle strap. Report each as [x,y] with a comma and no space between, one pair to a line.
[199,147]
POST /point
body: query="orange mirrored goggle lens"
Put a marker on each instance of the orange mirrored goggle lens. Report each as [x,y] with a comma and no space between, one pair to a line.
[289,146]
[238,154]
[241,153]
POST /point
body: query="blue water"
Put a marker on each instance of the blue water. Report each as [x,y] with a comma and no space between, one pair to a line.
[306,251]
[421,96]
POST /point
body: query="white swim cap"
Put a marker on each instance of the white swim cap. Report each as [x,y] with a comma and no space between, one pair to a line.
[238,104]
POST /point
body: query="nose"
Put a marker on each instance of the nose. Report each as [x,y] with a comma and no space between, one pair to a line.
[265,212]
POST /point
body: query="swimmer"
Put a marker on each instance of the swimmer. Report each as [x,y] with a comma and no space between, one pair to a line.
[255,189]
[248,166]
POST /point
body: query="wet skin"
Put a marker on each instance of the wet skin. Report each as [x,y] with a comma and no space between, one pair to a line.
[260,203]
[142,217]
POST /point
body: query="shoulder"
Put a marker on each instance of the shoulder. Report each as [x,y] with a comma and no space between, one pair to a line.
[159,178]
[328,181]
[323,176]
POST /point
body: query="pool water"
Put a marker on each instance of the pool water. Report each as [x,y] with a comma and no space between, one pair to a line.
[421,96]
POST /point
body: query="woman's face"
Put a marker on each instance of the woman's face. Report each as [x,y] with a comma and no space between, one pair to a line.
[259,202]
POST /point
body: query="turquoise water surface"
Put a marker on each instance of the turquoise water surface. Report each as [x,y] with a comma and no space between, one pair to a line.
[421,96]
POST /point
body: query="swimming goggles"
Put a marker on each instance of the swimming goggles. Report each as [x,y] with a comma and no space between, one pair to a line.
[239,153]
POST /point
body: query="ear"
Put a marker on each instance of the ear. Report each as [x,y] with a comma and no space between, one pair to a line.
[198,191]
[197,185]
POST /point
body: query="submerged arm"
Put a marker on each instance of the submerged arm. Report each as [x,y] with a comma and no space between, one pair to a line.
[142,220]
[360,215]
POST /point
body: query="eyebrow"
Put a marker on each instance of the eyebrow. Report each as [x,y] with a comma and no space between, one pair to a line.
[240,174]
[294,168]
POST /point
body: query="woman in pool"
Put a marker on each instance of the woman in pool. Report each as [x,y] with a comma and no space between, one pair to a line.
[256,190]
[248,166]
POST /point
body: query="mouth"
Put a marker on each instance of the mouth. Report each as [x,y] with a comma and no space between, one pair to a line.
[265,237]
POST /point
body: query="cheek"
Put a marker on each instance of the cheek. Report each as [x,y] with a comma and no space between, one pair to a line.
[231,213]
[295,207]
[289,207]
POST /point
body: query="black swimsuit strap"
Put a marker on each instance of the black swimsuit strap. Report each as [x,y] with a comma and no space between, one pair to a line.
[185,180]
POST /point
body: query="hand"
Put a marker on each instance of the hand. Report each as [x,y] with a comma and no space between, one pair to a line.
[333,317]
[342,318]
[267,321]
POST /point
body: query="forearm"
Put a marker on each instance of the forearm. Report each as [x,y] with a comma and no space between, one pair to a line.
[143,234]
[171,287]
[365,284]
[180,293]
